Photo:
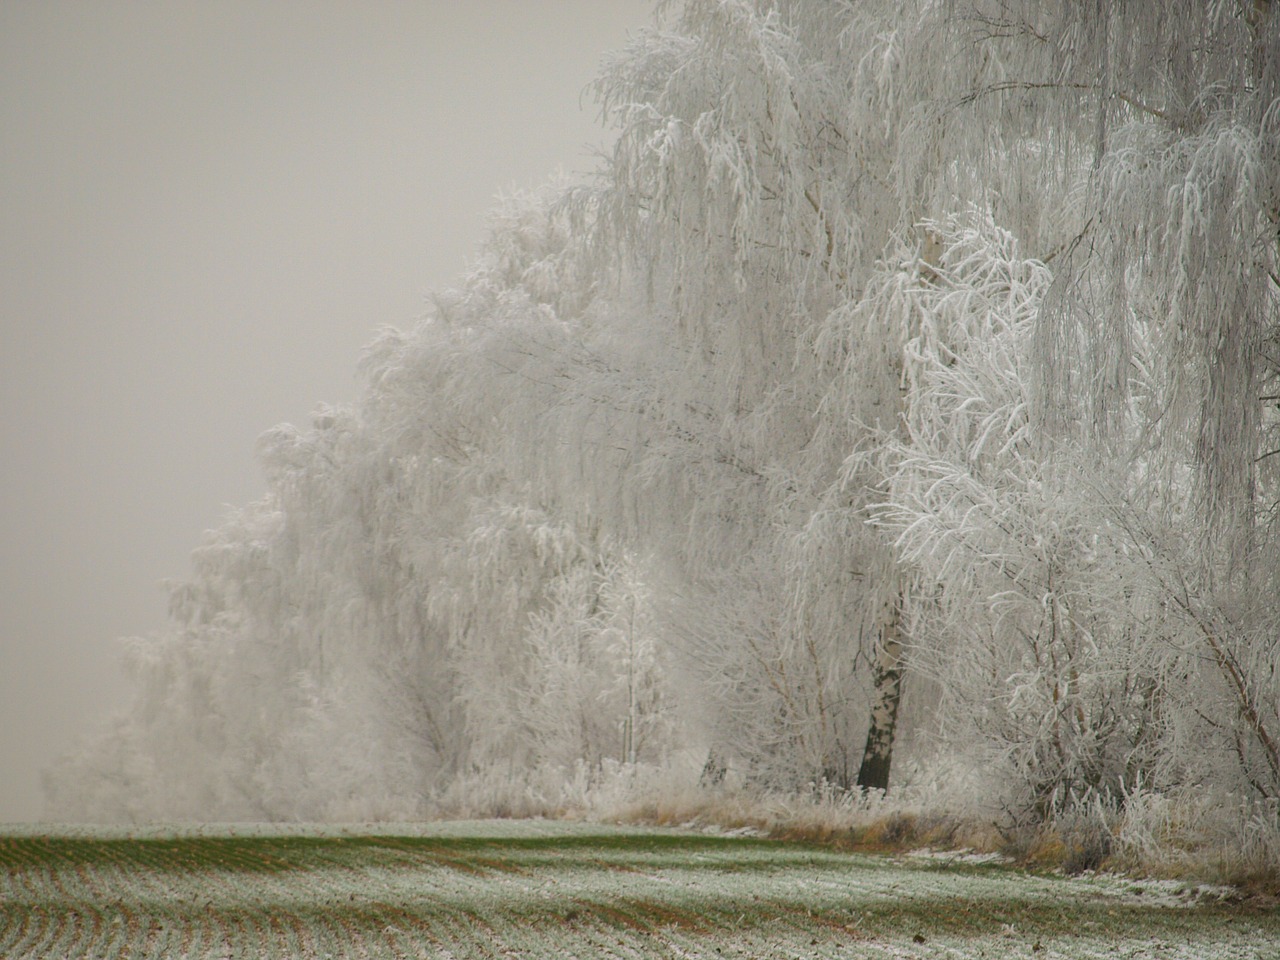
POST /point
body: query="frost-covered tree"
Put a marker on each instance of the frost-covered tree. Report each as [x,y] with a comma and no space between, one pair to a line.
[1114,476]
[1156,345]
[750,190]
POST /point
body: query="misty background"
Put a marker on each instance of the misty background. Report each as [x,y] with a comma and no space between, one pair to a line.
[205,211]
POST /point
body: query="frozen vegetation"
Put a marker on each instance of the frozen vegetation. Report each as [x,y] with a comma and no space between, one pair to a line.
[538,890]
[894,409]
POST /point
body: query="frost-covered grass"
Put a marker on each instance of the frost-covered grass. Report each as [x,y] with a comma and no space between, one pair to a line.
[543,889]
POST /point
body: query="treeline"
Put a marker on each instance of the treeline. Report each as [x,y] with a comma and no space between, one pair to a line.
[898,399]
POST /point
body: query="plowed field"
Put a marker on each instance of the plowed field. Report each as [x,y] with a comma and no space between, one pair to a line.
[549,890]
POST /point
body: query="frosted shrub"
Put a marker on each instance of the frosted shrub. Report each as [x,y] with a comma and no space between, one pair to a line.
[1202,833]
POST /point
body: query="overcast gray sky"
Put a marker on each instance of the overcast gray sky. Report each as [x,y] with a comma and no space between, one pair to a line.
[206,209]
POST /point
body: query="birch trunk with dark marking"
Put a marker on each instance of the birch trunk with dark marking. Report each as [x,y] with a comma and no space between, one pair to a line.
[886,679]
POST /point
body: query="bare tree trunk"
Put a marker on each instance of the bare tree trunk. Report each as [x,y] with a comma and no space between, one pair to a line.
[886,670]
[886,679]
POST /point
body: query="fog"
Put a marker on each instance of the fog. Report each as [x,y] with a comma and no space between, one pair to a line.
[205,211]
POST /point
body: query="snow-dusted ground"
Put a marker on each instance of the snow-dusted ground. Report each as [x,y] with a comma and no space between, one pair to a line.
[551,889]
